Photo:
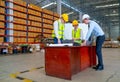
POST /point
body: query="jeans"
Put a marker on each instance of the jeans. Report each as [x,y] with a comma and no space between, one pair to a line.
[99,41]
[56,40]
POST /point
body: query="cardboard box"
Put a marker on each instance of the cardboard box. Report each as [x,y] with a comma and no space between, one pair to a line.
[47,21]
[19,14]
[32,6]
[2,3]
[2,17]
[2,10]
[21,21]
[48,16]
[20,8]
[2,25]
[47,26]
[2,32]
[47,11]
[21,2]
[1,39]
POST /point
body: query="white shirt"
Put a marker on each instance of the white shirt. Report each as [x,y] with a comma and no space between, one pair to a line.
[84,28]
[95,29]
[56,27]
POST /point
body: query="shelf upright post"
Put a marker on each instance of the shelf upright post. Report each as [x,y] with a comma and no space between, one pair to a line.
[10,19]
[59,8]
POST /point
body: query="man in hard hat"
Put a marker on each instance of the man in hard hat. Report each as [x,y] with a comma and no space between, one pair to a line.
[94,28]
[76,33]
[58,32]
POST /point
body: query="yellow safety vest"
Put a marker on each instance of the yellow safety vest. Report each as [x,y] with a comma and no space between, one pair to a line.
[76,34]
[61,28]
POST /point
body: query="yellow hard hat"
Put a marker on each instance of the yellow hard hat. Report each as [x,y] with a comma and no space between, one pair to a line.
[65,17]
[75,22]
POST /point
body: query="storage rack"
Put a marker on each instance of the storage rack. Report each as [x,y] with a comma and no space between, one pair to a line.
[29,22]
[2,21]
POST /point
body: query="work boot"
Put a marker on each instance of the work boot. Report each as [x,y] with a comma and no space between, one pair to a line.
[95,67]
[100,68]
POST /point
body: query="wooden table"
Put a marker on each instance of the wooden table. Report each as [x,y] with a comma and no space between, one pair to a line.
[63,62]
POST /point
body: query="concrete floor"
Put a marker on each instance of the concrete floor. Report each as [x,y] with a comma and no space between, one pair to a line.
[18,63]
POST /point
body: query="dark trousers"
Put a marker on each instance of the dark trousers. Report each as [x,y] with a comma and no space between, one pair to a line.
[99,41]
[56,40]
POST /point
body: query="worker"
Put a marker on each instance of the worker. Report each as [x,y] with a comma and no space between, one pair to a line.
[94,28]
[76,33]
[58,32]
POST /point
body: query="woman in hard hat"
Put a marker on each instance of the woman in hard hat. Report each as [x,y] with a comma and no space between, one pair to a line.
[76,33]
[58,32]
[94,28]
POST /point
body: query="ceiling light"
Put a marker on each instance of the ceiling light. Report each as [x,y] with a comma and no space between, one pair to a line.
[53,3]
[112,15]
[110,5]
[70,13]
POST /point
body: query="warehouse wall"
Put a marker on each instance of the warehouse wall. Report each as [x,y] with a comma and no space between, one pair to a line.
[114,32]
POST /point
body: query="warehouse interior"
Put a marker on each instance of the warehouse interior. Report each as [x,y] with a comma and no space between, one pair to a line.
[27,25]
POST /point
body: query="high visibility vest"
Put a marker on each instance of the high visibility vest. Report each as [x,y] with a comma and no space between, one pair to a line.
[76,34]
[61,28]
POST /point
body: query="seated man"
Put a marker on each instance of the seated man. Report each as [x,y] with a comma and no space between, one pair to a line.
[76,34]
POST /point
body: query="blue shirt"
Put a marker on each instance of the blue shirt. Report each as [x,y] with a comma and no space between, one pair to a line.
[95,29]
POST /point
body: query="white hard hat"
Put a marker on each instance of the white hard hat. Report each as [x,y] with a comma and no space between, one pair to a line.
[85,16]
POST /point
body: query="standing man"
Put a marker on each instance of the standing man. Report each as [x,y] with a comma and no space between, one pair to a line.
[76,33]
[94,28]
[58,32]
